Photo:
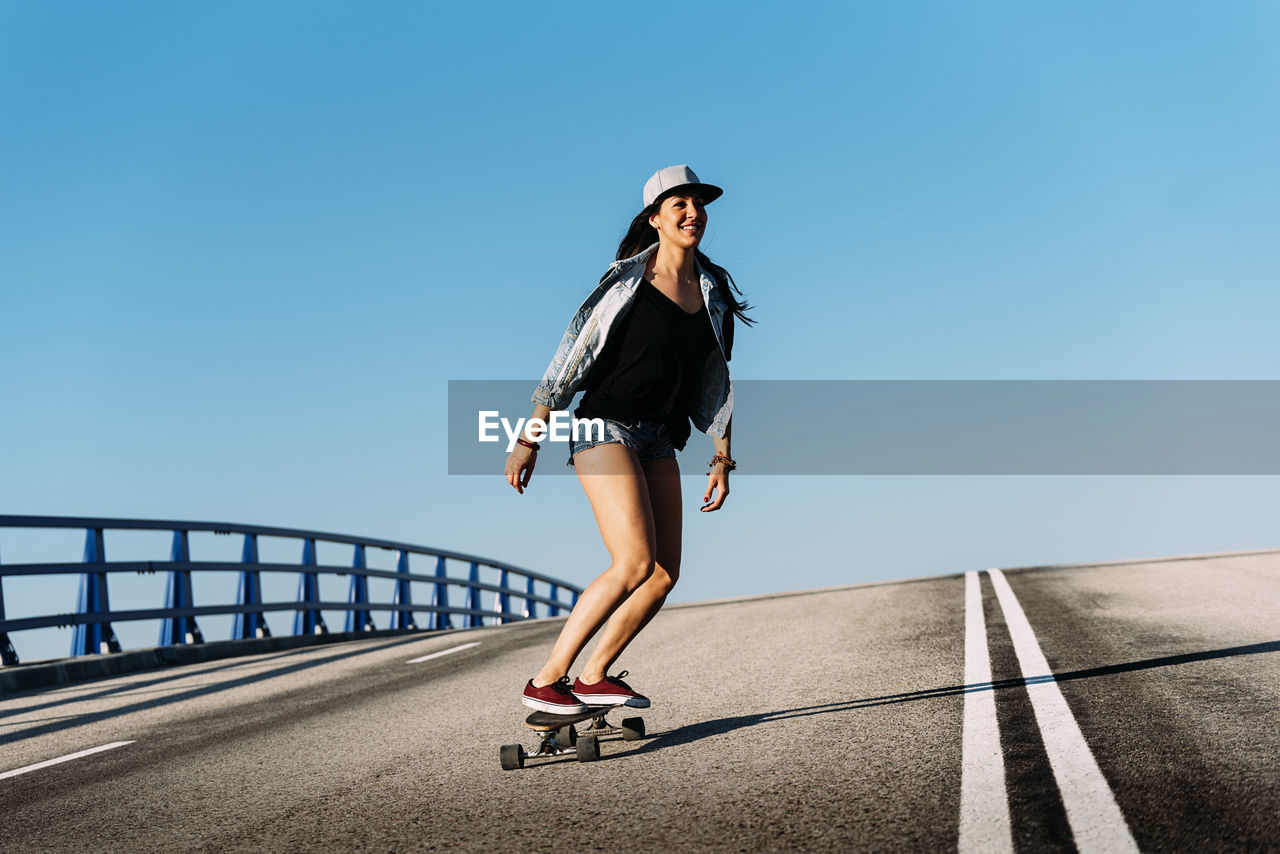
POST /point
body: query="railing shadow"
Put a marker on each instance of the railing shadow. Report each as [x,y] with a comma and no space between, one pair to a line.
[201,691]
[706,729]
[71,689]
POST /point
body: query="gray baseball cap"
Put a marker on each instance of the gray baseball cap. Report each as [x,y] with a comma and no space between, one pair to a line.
[663,182]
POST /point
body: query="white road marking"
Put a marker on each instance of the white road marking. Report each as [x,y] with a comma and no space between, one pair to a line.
[442,652]
[15,772]
[1095,818]
[984,799]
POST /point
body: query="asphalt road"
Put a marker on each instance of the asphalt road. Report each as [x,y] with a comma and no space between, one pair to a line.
[832,720]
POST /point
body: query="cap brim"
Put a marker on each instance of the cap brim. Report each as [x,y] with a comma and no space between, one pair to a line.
[709,192]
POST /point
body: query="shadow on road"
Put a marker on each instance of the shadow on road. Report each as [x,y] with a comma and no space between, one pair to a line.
[76,692]
[67,722]
[706,729]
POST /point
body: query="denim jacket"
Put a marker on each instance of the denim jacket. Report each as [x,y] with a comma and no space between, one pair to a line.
[589,330]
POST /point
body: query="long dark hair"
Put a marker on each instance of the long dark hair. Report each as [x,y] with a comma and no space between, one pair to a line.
[640,236]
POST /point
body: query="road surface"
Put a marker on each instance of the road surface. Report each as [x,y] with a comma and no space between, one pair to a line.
[858,718]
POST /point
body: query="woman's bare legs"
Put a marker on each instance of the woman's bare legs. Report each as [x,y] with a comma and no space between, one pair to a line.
[616,486]
[663,479]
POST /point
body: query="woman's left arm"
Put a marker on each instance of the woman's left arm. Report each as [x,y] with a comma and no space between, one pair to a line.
[718,478]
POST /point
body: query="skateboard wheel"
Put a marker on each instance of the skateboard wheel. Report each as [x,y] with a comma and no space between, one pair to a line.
[511,756]
[588,749]
[567,736]
[632,729]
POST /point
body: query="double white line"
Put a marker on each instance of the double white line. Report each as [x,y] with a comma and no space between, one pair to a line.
[1095,818]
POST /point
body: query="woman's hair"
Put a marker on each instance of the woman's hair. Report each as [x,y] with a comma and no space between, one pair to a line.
[640,236]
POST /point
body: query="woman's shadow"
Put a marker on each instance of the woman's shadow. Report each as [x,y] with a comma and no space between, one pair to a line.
[720,726]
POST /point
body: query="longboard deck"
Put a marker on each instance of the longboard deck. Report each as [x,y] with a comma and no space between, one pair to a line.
[545,721]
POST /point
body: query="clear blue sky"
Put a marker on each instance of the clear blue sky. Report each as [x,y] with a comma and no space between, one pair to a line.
[244,246]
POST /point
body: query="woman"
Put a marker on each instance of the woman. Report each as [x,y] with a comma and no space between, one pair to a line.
[651,347]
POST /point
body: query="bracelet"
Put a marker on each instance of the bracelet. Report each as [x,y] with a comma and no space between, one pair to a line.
[721,459]
[523,441]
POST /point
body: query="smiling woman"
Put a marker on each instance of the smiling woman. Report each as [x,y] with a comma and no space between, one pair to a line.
[650,347]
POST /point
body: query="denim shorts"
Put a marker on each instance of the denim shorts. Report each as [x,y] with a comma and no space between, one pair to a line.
[651,440]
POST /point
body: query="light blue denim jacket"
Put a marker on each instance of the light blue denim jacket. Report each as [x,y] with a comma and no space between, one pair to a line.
[589,330]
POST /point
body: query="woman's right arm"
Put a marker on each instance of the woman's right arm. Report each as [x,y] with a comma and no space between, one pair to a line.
[521,461]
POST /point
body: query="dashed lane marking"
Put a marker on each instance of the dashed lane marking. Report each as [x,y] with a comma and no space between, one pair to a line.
[984,799]
[16,771]
[449,651]
[1095,818]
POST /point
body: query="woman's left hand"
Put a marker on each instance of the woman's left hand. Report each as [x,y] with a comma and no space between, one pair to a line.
[717,486]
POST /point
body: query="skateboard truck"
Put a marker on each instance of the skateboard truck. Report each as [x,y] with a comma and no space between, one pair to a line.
[560,736]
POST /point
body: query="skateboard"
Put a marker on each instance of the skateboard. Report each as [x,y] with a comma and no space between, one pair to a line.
[560,735]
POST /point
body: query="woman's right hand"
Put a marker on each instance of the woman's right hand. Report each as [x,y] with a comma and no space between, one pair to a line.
[520,463]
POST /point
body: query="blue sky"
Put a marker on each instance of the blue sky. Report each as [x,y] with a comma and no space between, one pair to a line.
[244,247]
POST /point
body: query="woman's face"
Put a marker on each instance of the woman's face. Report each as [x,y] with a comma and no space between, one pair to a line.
[681,220]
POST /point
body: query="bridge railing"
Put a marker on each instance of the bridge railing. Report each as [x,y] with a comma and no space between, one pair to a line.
[93,617]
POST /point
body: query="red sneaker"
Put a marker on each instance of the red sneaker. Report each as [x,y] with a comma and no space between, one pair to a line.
[609,691]
[555,698]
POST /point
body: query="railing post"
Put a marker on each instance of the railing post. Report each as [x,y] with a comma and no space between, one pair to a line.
[404,596]
[8,655]
[553,610]
[501,601]
[473,597]
[359,619]
[91,638]
[177,594]
[440,597]
[309,622]
[530,607]
[574,603]
[250,624]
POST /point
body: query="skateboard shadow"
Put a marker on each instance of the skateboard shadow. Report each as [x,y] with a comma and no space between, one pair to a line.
[707,729]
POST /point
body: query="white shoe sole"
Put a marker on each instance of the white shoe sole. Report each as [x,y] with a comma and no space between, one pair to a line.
[613,700]
[552,708]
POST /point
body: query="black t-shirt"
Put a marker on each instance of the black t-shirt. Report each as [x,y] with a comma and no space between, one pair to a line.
[651,366]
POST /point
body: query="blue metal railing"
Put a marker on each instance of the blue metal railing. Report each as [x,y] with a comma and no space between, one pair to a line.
[93,617]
